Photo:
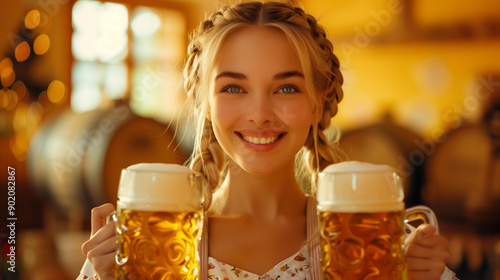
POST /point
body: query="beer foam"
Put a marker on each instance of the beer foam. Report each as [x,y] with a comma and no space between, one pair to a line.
[159,187]
[353,186]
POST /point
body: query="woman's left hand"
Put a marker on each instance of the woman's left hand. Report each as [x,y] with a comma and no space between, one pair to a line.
[426,253]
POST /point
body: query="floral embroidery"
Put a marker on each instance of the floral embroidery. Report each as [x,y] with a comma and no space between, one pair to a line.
[294,267]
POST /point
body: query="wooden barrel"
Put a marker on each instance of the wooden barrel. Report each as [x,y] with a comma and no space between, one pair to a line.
[75,160]
[393,145]
[463,183]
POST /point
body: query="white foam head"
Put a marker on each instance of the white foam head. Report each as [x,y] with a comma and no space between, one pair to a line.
[353,186]
[159,187]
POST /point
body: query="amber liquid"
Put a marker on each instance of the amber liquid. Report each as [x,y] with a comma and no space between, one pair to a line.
[158,245]
[362,245]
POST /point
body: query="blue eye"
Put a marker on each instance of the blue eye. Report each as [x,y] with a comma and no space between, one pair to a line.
[232,89]
[287,89]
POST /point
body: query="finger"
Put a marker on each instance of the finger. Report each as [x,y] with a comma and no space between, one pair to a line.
[106,232]
[423,264]
[106,247]
[105,266]
[425,236]
[99,215]
[427,229]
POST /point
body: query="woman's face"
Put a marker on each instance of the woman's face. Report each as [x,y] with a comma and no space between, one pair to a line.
[259,106]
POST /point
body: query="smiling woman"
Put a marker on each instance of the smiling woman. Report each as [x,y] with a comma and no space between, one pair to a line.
[259,105]
[264,84]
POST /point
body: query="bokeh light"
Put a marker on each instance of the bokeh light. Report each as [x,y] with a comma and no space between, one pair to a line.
[145,22]
[22,51]
[6,62]
[4,100]
[42,44]
[7,76]
[56,91]
[20,89]
[32,19]
[10,99]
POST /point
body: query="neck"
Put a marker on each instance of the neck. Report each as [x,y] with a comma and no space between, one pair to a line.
[263,196]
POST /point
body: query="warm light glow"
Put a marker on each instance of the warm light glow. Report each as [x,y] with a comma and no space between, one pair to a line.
[56,91]
[32,19]
[10,100]
[85,98]
[42,44]
[22,51]
[20,120]
[144,22]
[6,62]
[115,80]
[20,89]
[4,100]
[7,76]
[100,31]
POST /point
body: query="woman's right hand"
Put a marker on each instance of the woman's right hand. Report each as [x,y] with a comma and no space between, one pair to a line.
[100,249]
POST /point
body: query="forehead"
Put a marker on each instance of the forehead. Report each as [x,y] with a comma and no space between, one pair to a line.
[255,49]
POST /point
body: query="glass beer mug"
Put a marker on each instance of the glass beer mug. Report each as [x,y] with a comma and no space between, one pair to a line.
[158,222]
[362,221]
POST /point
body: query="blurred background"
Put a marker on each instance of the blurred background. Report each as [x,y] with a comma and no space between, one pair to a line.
[89,87]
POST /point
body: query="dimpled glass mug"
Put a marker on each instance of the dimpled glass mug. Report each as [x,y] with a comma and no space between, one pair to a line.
[158,222]
[362,221]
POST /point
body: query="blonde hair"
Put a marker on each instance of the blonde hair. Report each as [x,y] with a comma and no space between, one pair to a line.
[321,71]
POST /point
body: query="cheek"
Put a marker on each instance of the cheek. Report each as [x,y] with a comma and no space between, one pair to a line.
[223,113]
[296,114]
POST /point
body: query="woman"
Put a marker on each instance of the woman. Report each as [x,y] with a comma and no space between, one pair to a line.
[264,83]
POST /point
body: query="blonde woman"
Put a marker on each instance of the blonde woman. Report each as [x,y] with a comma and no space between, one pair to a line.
[264,83]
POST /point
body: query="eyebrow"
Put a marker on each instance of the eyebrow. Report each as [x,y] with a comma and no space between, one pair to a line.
[279,76]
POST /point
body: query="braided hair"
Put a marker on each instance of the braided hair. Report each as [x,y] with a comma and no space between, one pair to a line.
[320,66]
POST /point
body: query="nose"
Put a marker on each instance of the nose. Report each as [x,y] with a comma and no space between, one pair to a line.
[260,109]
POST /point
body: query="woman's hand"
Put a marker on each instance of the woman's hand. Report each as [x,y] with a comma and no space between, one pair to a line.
[100,249]
[426,253]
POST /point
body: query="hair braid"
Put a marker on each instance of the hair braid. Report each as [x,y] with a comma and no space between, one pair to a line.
[321,151]
[208,157]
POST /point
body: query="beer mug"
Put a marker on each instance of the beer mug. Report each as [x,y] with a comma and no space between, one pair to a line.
[362,221]
[158,222]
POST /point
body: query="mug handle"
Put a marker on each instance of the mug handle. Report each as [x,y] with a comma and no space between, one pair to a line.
[421,214]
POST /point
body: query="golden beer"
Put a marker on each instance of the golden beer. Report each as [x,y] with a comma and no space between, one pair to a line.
[159,223]
[158,245]
[361,220]
[362,245]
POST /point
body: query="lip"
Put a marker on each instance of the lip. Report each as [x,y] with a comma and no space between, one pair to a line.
[260,134]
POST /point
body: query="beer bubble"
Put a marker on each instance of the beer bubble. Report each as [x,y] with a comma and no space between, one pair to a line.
[146,250]
[350,252]
[163,223]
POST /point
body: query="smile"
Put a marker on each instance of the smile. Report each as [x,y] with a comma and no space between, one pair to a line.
[260,140]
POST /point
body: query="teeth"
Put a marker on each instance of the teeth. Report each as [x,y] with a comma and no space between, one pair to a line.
[258,140]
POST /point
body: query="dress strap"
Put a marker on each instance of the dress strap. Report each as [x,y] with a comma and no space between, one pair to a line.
[203,249]
[313,238]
